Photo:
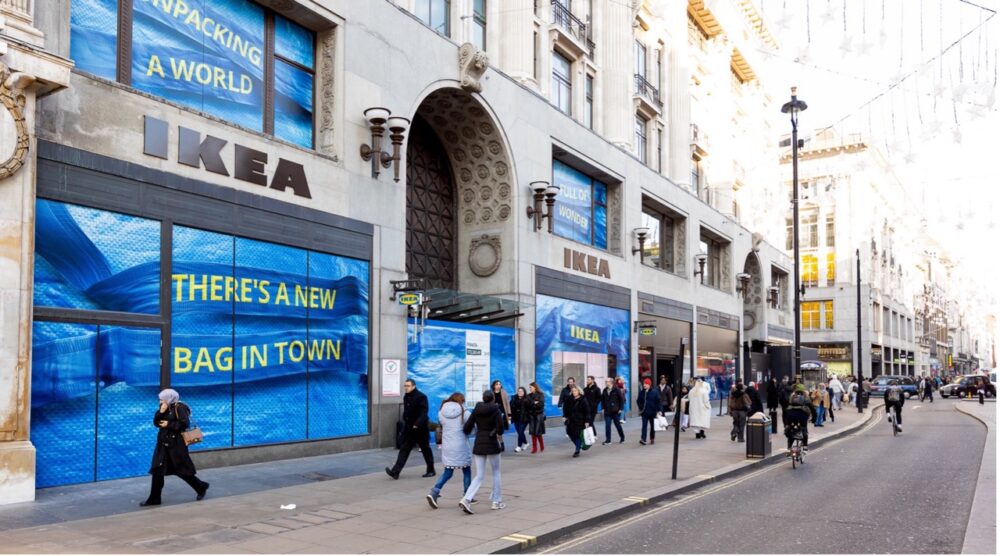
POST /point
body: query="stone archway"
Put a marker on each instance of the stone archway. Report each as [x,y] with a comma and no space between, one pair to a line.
[483,183]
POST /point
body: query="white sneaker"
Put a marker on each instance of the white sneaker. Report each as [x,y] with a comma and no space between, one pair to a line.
[498,506]
[518,449]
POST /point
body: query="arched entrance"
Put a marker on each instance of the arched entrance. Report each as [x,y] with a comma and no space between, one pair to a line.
[431,230]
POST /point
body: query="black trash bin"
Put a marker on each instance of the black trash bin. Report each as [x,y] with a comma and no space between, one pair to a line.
[758,436]
[864,399]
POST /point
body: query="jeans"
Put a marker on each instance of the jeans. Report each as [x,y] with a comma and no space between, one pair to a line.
[838,400]
[578,444]
[477,481]
[739,424]
[521,439]
[608,419]
[820,411]
[446,476]
[648,419]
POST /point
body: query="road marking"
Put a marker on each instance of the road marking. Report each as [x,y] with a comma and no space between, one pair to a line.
[707,477]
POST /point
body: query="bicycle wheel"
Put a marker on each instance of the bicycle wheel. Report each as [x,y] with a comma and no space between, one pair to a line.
[794,457]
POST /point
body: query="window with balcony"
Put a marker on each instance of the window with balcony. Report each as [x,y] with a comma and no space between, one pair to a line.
[810,271]
[436,14]
[562,83]
[831,269]
[479,24]
[810,315]
[640,137]
[588,109]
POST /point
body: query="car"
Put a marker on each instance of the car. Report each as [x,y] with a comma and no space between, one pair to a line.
[882,383]
[959,388]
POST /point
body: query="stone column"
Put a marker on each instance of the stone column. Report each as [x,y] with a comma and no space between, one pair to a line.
[678,109]
[516,38]
[25,72]
[616,51]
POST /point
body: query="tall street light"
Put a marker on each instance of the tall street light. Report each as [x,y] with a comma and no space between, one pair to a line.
[792,108]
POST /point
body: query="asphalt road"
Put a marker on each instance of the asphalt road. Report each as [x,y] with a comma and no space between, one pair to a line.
[866,493]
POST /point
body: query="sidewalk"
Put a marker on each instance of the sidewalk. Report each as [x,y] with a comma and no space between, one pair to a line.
[981,532]
[546,494]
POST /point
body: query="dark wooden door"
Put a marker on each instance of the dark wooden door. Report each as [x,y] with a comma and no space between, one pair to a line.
[430,209]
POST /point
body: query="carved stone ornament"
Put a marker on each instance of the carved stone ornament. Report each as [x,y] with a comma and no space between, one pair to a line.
[484,255]
[472,64]
[13,100]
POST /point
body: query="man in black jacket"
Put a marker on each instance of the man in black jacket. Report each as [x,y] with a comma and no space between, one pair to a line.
[612,401]
[415,431]
[666,394]
[566,396]
[593,394]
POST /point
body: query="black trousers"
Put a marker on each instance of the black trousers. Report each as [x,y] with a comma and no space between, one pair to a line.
[159,477]
[412,440]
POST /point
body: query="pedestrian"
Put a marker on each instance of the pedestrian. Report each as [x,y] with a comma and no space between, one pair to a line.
[817,397]
[921,386]
[981,390]
[577,418]
[666,394]
[682,406]
[612,402]
[755,404]
[700,407]
[830,403]
[503,402]
[649,406]
[784,394]
[566,395]
[170,457]
[739,403]
[593,394]
[415,431]
[520,416]
[536,417]
[486,420]
[866,391]
[453,444]
[620,383]
[772,403]
[852,391]
[929,390]
[836,392]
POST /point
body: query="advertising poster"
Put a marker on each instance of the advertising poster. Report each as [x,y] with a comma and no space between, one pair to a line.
[578,339]
[390,378]
[456,357]
[581,213]
[268,343]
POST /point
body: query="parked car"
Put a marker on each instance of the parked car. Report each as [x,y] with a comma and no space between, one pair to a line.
[960,387]
[882,383]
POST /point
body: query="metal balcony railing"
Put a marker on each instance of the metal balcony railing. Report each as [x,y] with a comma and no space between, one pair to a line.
[646,89]
[572,25]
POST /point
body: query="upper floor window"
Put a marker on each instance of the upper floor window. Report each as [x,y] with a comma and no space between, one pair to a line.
[789,234]
[231,59]
[640,137]
[831,229]
[715,249]
[810,315]
[659,149]
[828,314]
[479,24]
[588,112]
[810,229]
[658,250]
[640,59]
[810,271]
[831,269]
[436,14]
[562,83]
[696,176]
[582,209]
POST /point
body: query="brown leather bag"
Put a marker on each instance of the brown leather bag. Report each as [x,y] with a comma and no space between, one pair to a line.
[193,435]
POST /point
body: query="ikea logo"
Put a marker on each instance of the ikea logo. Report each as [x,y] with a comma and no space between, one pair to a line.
[585,334]
[410,299]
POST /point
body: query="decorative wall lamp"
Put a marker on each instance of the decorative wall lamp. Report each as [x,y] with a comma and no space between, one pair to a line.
[700,259]
[772,296]
[378,119]
[743,289]
[641,233]
[543,191]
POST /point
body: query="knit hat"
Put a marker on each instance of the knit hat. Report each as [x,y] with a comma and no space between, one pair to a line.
[647,382]
[800,388]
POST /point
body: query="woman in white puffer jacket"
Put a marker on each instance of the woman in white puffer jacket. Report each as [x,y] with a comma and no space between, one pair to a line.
[454,445]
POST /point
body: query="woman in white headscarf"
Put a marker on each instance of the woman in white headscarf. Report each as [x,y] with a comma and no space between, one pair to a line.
[171,454]
[700,408]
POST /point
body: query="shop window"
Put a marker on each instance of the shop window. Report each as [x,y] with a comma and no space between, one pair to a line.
[582,206]
[435,14]
[208,55]
[831,269]
[828,315]
[810,315]
[810,271]
[562,83]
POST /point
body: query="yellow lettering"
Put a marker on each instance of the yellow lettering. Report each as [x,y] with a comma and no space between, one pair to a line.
[231,289]
[179,283]
[154,66]
[194,287]
[282,294]
[258,356]
[281,351]
[203,77]
[203,360]
[181,69]
[215,293]
[180,8]
[333,348]
[300,296]
[314,297]
[219,81]
[193,19]
[265,296]
[182,360]
[245,284]
[297,344]
[224,359]
[328,298]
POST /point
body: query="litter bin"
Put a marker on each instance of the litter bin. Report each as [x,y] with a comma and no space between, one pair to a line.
[864,399]
[758,436]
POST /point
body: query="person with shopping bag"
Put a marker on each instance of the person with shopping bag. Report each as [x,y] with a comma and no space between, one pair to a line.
[649,406]
[577,418]
[170,457]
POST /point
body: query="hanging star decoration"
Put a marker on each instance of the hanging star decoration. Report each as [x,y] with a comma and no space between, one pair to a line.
[956,135]
[865,47]
[958,92]
[804,56]
[910,157]
[939,89]
[784,22]
[935,126]
[845,46]
[829,14]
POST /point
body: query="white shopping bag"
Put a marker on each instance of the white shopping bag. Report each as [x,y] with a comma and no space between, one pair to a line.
[589,437]
[660,423]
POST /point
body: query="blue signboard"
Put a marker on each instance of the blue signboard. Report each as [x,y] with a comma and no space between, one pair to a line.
[569,333]
[581,209]
[269,343]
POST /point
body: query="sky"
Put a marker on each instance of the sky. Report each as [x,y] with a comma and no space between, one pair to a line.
[920,78]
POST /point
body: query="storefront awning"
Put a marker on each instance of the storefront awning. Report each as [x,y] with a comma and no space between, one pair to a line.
[456,306]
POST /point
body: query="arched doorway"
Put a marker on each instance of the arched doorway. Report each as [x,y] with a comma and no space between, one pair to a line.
[431,230]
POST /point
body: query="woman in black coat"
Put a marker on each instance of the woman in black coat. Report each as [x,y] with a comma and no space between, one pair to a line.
[577,418]
[170,457]
[519,416]
[755,405]
[487,420]
[536,418]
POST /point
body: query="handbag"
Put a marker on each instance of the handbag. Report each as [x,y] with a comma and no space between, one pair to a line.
[193,434]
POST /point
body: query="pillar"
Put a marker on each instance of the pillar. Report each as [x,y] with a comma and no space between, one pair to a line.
[618,67]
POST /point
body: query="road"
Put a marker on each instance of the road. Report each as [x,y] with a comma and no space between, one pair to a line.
[866,493]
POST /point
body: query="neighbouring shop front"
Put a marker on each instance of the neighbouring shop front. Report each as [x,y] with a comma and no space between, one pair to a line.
[718,346]
[255,310]
[662,325]
[838,358]
[582,329]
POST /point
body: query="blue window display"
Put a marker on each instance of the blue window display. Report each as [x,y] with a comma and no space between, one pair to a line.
[576,339]
[452,357]
[581,213]
[209,55]
[94,259]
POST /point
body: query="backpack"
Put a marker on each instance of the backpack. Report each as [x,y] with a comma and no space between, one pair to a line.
[892,395]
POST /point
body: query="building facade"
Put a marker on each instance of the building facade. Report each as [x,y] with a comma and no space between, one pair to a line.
[221,197]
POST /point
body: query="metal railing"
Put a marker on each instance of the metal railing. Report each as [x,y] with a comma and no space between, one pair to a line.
[574,26]
[646,89]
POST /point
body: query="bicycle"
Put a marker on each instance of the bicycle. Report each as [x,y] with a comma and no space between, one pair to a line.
[797,452]
[892,421]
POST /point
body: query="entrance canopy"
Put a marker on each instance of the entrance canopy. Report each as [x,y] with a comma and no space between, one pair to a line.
[456,306]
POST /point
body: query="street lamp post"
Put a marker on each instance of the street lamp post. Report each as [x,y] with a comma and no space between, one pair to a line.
[792,108]
[857,396]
